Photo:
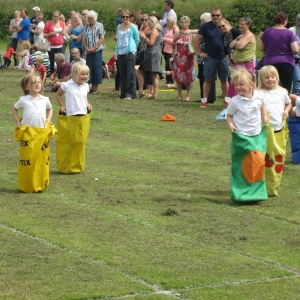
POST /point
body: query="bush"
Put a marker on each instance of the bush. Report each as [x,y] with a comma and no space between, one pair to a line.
[260,11]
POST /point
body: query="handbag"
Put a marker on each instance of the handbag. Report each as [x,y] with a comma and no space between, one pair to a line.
[44,46]
[66,38]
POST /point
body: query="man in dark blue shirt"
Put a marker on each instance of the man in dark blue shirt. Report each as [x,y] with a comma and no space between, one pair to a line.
[23,31]
[214,55]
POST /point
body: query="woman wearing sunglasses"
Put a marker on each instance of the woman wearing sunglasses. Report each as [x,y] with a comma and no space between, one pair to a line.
[127,41]
[229,34]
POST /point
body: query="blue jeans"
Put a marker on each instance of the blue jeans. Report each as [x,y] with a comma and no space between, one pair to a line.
[296,83]
[127,71]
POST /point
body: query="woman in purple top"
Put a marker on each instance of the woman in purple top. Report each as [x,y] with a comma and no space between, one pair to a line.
[279,44]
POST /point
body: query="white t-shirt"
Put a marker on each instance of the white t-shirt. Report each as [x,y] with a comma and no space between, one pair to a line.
[13,23]
[34,110]
[296,108]
[246,113]
[80,60]
[39,37]
[76,97]
[275,101]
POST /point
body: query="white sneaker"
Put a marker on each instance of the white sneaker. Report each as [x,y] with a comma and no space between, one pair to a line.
[204,102]
[227,101]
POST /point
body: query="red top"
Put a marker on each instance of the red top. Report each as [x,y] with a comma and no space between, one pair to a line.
[9,52]
[41,70]
[54,40]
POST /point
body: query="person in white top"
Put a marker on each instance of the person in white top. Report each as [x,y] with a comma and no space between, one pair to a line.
[276,99]
[38,32]
[246,111]
[76,90]
[34,104]
[75,53]
[168,6]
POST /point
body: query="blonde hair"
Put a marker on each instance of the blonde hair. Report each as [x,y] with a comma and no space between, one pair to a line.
[267,71]
[224,21]
[78,15]
[79,68]
[154,21]
[173,21]
[185,18]
[240,73]
[39,58]
[62,17]
[24,83]
[30,78]
[26,45]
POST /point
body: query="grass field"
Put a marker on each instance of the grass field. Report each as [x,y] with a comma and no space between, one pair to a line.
[151,215]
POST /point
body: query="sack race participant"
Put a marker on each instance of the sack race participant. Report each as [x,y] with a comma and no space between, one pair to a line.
[247,179]
[278,105]
[73,121]
[245,113]
[33,132]
[34,161]
[275,158]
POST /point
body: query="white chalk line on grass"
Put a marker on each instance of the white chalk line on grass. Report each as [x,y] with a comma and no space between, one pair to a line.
[156,288]
[296,273]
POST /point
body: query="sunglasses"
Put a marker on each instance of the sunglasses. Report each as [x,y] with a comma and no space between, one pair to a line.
[144,19]
[214,15]
[221,26]
[125,17]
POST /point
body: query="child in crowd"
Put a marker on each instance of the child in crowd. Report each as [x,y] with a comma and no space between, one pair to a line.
[24,57]
[247,110]
[34,105]
[245,114]
[7,55]
[277,101]
[40,68]
[76,90]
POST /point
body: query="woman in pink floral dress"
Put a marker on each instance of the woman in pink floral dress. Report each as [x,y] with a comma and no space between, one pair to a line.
[183,59]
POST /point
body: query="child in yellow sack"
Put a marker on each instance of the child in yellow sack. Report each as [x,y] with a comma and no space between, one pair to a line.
[73,121]
[33,132]
[34,104]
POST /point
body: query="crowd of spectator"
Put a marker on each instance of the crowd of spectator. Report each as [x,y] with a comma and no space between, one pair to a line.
[142,40]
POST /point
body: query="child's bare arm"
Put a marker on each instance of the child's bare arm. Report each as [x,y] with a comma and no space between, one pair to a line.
[229,120]
[264,114]
[49,115]
[287,108]
[16,117]
[88,105]
[60,101]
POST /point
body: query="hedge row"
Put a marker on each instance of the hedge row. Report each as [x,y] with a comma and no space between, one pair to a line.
[260,11]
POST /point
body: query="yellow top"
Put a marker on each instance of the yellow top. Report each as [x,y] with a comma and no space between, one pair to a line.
[246,54]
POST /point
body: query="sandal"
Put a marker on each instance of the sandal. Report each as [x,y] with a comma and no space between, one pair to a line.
[95,92]
[180,98]
[141,95]
[152,97]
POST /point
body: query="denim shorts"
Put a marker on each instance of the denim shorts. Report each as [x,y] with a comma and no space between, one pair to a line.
[212,65]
